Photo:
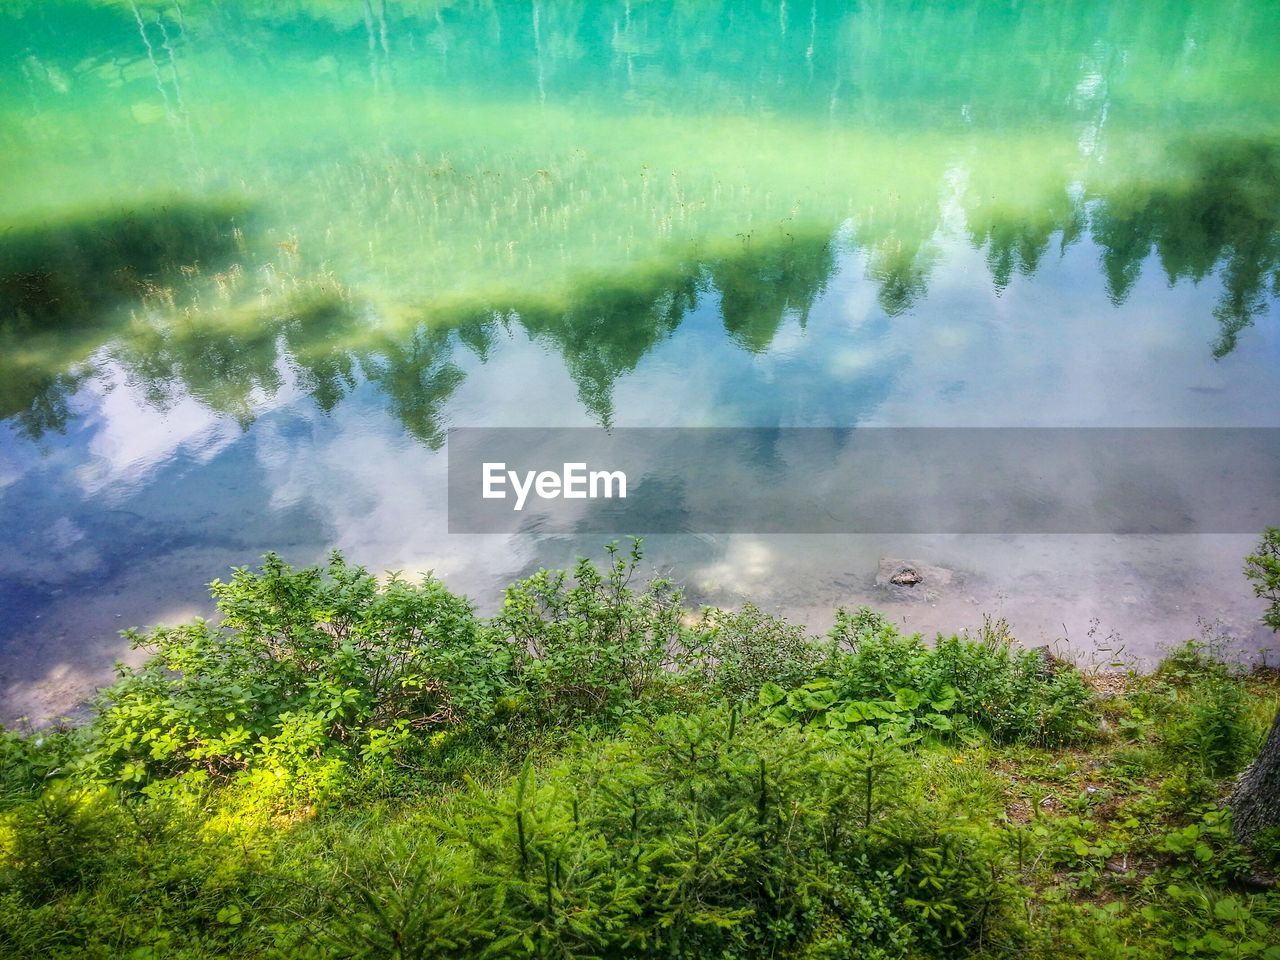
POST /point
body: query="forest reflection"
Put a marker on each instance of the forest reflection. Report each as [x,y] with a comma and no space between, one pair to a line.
[840,58]
[163,294]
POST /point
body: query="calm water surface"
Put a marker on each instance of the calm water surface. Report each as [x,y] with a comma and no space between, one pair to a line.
[257,258]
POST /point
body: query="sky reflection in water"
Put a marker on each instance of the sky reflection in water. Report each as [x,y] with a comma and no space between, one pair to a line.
[258,263]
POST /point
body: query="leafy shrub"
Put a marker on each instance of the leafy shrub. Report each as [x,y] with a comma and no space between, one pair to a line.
[822,704]
[1011,694]
[1014,694]
[1205,850]
[29,762]
[1207,727]
[737,653]
[1193,920]
[870,654]
[1200,712]
[589,647]
[1263,568]
[305,666]
[1190,662]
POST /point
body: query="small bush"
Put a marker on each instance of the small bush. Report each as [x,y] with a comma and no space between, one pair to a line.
[60,841]
[870,655]
[1201,714]
[306,668]
[1012,694]
[1207,727]
[737,653]
[28,763]
[1263,568]
[1193,661]
[588,647]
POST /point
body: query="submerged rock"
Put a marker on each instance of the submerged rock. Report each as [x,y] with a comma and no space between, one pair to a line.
[906,577]
[909,580]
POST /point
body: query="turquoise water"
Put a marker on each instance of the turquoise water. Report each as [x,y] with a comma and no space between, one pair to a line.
[257,258]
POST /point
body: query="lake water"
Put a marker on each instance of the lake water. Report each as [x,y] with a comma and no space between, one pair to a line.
[257,258]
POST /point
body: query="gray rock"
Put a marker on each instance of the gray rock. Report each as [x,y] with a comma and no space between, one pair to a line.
[910,581]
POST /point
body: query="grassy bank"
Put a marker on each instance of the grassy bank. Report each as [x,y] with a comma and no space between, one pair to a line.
[343,767]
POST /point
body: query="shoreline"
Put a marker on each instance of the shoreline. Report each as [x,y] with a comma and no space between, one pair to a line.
[941,605]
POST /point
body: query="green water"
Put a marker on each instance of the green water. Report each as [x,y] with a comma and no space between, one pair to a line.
[256,258]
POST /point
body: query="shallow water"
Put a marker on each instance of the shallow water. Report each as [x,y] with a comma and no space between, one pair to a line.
[256,259]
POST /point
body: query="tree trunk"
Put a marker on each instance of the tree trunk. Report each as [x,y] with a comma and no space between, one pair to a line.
[1255,804]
